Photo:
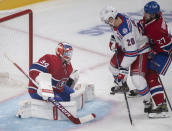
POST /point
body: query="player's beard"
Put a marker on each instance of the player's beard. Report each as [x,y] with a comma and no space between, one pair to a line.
[147,20]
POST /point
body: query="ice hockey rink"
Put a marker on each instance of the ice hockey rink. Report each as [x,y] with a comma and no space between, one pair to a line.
[77,22]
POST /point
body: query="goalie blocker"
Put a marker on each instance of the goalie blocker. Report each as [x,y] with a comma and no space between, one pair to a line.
[46,110]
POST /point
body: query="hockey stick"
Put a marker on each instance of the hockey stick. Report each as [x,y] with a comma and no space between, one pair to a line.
[165,92]
[162,84]
[75,120]
[125,96]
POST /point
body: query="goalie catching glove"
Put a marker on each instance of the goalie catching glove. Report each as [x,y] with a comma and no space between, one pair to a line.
[73,79]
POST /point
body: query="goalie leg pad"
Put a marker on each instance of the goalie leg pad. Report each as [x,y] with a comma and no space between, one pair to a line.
[78,96]
[83,93]
[89,92]
[46,110]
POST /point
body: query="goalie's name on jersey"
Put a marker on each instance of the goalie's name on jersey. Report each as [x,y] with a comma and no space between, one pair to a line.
[51,64]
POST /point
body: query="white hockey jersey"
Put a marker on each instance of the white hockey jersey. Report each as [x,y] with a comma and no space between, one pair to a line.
[132,42]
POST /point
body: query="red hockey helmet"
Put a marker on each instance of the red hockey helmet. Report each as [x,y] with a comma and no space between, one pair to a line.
[64,50]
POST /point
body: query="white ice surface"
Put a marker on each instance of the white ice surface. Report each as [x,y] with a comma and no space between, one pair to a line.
[62,20]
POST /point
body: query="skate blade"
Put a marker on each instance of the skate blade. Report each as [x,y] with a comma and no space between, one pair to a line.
[158,115]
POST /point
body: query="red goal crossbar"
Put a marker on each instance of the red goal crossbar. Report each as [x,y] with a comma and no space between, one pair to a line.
[18,14]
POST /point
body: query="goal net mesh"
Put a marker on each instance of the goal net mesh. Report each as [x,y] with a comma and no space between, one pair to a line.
[14,41]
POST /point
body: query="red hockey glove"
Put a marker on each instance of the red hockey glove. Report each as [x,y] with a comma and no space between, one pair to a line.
[112,46]
[141,27]
[112,43]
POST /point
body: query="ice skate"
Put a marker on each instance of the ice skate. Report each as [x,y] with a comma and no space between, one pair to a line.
[120,89]
[147,106]
[160,112]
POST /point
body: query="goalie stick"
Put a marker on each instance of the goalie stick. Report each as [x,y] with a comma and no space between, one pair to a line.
[75,120]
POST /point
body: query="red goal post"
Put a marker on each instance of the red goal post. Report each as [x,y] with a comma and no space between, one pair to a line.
[18,14]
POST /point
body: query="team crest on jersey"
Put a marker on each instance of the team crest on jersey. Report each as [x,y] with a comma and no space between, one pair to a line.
[60,85]
[125,31]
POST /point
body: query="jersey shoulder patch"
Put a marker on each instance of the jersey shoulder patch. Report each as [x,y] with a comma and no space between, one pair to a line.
[126,26]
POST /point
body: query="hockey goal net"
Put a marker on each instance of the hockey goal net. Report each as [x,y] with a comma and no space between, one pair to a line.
[16,40]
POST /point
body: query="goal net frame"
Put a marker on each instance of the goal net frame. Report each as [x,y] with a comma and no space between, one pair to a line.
[16,15]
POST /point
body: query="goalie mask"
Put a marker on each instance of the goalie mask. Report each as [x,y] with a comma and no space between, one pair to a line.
[108,12]
[64,50]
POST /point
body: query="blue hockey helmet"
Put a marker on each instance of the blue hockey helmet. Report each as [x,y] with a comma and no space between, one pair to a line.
[152,7]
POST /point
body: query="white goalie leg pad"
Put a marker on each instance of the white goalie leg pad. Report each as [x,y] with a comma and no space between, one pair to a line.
[45,110]
[78,96]
[24,110]
[89,92]
[83,93]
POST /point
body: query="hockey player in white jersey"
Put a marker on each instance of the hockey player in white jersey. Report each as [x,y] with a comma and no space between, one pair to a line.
[131,51]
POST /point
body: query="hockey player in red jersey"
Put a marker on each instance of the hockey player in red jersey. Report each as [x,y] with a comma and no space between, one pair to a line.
[154,26]
[60,69]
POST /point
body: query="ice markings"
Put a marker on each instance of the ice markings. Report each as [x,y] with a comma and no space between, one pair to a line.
[8,109]
[102,29]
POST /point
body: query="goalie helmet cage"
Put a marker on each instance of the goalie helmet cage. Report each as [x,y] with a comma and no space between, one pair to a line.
[13,21]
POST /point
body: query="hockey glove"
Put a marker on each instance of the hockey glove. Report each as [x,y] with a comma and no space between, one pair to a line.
[73,79]
[45,92]
[122,76]
[112,43]
[69,82]
[141,27]
[75,75]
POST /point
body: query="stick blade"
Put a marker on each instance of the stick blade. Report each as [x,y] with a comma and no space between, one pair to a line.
[87,118]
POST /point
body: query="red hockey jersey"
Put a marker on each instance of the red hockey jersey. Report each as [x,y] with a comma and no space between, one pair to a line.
[157,32]
[52,64]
